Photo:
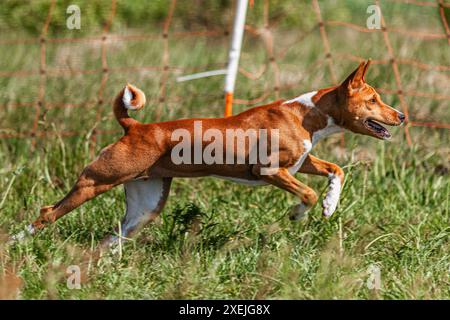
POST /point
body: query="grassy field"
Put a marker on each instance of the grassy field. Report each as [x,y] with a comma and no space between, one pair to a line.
[216,239]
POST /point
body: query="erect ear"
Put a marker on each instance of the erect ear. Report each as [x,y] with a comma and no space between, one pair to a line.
[355,80]
[365,69]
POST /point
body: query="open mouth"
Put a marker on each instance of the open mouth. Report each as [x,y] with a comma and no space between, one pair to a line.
[377,129]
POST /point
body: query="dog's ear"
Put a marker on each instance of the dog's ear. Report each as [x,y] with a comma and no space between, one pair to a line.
[355,81]
[366,66]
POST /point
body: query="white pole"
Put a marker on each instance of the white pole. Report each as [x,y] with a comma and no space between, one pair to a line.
[202,75]
[235,51]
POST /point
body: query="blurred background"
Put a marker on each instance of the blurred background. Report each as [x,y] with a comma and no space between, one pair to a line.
[216,239]
[61,80]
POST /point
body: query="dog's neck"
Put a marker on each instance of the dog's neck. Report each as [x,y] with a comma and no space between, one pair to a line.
[326,101]
[323,116]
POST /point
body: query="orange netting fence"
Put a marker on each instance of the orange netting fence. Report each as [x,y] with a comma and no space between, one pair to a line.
[273,52]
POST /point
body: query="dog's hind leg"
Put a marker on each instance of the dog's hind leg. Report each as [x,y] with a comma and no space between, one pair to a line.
[335,174]
[86,188]
[110,169]
[283,179]
[145,199]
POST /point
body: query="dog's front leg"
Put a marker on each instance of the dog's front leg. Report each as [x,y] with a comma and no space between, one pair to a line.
[284,180]
[335,174]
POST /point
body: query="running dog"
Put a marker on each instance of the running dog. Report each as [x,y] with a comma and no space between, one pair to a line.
[142,159]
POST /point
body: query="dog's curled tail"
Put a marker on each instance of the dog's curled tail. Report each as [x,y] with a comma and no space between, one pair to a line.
[129,98]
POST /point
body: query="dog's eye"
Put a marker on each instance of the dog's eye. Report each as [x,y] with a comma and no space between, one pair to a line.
[373,100]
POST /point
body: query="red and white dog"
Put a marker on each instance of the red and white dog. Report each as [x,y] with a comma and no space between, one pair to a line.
[142,159]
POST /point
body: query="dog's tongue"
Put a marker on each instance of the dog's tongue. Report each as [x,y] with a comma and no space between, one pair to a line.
[375,125]
[379,129]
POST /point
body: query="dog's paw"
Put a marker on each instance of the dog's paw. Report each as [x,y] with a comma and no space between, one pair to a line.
[22,235]
[112,245]
[298,212]
[331,200]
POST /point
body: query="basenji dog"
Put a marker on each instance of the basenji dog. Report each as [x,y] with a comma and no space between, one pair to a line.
[143,158]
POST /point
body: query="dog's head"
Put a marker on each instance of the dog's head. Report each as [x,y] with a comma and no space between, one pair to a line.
[361,109]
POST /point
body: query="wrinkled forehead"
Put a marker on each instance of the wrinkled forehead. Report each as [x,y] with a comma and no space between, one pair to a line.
[369,91]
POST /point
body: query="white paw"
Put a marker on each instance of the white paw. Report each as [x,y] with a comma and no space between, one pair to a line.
[331,200]
[20,236]
[298,212]
[115,249]
[113,245]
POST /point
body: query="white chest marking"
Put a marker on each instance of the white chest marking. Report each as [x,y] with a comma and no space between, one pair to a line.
[332,198]
[307,146]
[304,99]
[331,128]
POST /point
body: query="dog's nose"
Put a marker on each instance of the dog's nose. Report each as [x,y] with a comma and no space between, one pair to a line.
[401,116]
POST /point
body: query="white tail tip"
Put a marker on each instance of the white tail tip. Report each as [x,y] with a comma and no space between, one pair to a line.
[128,99]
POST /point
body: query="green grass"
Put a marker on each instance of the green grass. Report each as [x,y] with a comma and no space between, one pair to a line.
[216,239]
